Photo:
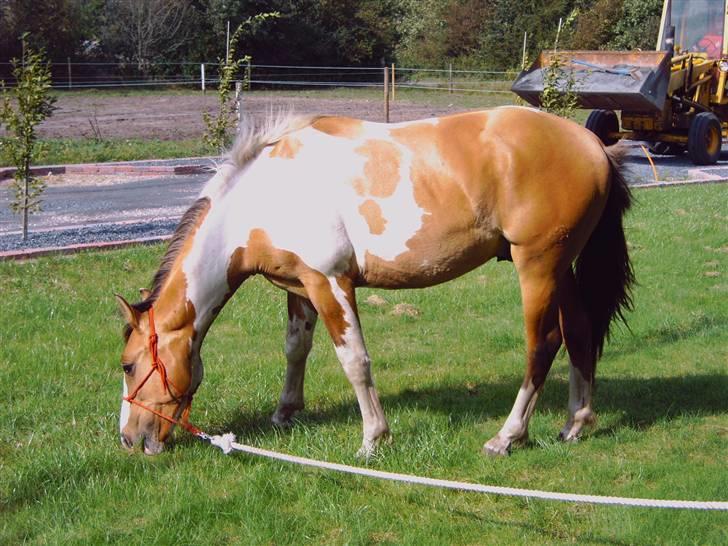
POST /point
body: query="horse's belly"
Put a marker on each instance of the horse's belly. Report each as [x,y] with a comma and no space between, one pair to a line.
[421,267]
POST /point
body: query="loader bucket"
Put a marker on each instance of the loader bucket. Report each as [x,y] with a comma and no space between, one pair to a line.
[614,80]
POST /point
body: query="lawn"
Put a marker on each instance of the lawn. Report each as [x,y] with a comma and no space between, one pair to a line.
[447,379]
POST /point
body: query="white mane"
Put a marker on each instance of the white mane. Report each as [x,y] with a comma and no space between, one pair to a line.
[253,137]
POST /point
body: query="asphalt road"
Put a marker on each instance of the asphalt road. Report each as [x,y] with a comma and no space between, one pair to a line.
[151,206]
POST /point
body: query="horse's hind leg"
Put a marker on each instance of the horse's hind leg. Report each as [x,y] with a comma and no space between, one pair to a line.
[299,338]
[335,302]
[576,331]
[538,278]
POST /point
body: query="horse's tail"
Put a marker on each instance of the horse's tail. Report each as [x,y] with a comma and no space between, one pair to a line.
[604,274]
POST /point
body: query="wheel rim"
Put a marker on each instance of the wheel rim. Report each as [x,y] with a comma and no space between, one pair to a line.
[713,141]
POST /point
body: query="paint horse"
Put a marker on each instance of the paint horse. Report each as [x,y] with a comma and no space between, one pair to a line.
[321,206]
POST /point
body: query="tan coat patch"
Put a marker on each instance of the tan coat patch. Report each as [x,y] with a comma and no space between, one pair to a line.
[286,148]
[341,127]
[381,171]
[372,213]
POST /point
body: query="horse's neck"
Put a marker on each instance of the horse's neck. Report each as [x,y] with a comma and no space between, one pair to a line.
[197,285]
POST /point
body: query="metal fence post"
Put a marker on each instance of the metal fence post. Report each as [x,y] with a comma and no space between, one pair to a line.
[239,101]
[393,82]
[202,77]
[386,94]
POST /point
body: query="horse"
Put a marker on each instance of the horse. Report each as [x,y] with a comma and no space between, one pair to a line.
[322,205]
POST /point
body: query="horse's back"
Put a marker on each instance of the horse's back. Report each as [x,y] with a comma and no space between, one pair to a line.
[421,202]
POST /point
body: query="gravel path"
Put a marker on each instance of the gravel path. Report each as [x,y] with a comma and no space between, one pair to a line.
[88,234]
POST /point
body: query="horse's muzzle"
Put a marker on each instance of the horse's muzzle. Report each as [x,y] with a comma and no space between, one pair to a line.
[150,445]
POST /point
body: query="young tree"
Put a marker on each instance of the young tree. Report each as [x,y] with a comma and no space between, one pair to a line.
[32,104]
[218,133]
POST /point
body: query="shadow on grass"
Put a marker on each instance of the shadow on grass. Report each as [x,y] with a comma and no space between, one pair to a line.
[668,333]
[641,402]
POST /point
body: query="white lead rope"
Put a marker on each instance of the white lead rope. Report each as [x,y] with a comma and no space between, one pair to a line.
[226,442]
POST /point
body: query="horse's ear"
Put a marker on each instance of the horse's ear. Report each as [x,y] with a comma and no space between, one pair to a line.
[131,315]
[144,293]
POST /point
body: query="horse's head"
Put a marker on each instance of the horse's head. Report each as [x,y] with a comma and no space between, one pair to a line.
[157,385]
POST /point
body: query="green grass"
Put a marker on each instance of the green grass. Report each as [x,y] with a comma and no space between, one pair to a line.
[447,380]
[66,151]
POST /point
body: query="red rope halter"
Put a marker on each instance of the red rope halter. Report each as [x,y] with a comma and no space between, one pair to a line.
[159,367]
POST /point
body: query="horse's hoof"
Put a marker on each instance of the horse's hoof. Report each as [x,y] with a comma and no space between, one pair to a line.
[495,447]
[281,422]
[371,448]
[283,416]
[365,453]
[566,437]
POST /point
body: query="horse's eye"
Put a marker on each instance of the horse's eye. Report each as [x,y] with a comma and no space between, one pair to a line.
[127,368]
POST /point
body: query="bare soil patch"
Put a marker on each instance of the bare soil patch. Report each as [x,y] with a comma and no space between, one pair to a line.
[177,117]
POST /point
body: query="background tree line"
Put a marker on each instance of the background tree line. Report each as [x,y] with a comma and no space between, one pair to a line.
[417,33]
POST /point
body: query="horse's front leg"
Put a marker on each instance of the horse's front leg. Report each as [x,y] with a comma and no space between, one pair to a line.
[335,302]
[299,339]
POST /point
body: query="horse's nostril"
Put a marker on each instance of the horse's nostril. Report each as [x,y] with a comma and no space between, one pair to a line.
[152,446]
[126,442]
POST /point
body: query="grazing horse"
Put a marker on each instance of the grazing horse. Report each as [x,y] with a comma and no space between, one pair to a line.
[320,206]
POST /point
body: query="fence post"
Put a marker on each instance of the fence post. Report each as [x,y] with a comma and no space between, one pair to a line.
[238,101]
[70,81]
[386,94]
[393,83]
[248,76]
[449,79]
[202,77]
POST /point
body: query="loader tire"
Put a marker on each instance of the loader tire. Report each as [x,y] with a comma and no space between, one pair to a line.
[705,139]
[601,123]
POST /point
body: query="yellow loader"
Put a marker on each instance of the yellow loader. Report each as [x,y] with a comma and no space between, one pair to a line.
[674,98]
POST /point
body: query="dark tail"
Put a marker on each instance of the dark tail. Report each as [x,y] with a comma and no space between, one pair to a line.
[604,275]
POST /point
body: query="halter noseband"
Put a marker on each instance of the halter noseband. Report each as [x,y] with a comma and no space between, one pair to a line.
[159,367]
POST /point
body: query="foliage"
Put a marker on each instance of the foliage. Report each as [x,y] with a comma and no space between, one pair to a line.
[638,25]
[559,88]
[52,25]
[559,82]
[23,108]
[447,380]
[617,24]
[217,135]
[143,31]
[145,34]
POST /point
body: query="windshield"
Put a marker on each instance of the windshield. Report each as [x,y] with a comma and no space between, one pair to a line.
[698,26]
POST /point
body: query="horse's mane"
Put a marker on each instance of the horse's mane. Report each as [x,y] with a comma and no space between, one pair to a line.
[252,138]
[186,225]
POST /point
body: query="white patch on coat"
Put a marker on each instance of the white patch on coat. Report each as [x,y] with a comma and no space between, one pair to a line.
[306,205]
[125,407]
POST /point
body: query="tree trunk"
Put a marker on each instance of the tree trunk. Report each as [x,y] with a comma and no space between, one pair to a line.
[26,204]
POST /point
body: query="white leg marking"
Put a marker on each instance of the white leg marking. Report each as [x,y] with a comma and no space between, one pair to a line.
[580,411]
[356,363]
[516,426]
